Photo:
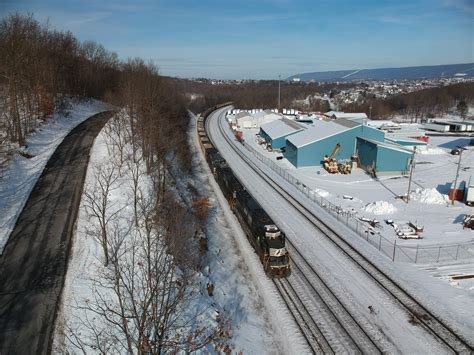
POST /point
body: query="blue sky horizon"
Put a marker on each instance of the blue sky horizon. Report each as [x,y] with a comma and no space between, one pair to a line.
[261,39]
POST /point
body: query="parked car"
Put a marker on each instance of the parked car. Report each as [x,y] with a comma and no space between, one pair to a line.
[456,151]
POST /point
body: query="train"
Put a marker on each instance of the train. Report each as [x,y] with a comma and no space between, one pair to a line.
[263,234]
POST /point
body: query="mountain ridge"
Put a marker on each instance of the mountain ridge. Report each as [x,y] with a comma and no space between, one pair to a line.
[401,73]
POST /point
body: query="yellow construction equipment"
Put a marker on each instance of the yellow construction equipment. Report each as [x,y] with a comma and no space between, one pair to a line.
[331,164]
[333,154]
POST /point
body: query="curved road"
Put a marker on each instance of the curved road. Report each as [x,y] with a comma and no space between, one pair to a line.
[34,262]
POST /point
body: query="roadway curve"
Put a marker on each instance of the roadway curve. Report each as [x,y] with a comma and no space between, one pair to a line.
[34,263]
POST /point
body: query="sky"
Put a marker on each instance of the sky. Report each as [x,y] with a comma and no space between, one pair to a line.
[262,39]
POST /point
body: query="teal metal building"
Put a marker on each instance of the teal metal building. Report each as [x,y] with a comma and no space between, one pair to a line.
[406,142]
[375,153]
[309,147]
[275,132]
[383,158]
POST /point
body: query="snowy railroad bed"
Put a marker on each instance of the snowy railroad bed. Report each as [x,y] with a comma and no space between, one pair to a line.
[21,175]
[357,291]
[235,295]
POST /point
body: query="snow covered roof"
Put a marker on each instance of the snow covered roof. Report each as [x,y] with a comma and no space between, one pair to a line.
[242,114]
[347,115]
[320,130]
[281,128]
[381,123]
[346,123]
[388,145]
[332,113]
[259,114]
[405,140]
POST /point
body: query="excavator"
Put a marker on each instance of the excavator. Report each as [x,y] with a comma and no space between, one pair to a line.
[333,166]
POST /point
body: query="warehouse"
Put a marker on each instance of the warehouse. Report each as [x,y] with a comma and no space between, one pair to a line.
[407,143]
[382,158]
[255,120]
[359,117]
[308,147]
[452,126]
[243,119]
[275,132]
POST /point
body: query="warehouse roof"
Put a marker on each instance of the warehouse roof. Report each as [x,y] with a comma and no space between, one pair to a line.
[321,130]
[242,114]
[281,128]
[346,123]
[388,145]
[408,140]
[348,115]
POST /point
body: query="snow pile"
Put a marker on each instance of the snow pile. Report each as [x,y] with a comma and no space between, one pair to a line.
[431,150]
[380,207]
[320,192]
[429,196]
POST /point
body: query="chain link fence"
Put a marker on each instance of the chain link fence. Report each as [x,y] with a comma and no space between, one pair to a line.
[410,254]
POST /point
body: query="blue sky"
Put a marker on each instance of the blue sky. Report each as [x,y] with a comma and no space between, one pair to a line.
[266,38]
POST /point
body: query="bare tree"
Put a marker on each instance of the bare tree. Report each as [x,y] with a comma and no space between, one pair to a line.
[116,135]
[141,300]
[98,205]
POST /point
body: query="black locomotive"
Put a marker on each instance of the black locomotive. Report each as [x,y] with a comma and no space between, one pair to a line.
[263,234]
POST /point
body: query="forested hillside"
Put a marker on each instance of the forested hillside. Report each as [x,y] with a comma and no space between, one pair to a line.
[41,68]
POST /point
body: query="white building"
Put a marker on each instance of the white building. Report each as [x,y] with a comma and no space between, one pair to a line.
[247,120]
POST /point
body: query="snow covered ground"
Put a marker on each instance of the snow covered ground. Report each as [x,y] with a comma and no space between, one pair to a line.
[21,175]
[353,288]
[429,207]
[376,198]
[260,317]
[237,293]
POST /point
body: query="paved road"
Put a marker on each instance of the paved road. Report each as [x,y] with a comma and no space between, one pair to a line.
[34,262]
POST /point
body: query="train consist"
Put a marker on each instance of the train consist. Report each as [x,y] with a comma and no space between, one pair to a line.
[263,234]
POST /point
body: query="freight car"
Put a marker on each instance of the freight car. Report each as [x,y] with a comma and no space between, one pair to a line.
[263,234]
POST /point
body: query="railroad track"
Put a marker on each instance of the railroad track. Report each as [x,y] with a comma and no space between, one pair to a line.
[342,329]
[329,327]
[315,339]
[417,312]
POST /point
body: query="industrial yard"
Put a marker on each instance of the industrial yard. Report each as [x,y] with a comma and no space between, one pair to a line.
[427,219]
[316,237]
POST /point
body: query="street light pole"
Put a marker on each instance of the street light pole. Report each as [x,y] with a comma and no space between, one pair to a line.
[412,167]
[279,76]
[457,175]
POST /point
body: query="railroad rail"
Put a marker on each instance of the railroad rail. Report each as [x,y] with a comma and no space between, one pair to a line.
[415,309]
[329,327]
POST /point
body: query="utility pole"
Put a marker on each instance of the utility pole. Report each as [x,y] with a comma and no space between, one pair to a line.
[370,112]
[279,77]
[457,175]
[412,168]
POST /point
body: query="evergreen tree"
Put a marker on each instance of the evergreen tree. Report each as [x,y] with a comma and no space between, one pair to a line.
[462,109]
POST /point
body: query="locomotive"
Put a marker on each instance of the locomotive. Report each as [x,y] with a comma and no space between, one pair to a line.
[265,237]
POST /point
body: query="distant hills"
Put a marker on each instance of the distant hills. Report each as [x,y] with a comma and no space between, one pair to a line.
[407,73]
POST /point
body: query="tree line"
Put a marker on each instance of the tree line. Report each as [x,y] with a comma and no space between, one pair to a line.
[258,94]
[40,68]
